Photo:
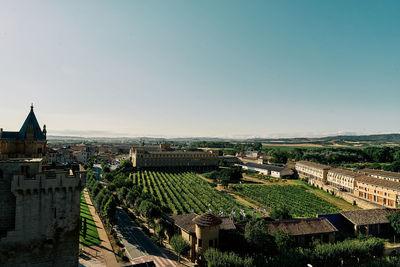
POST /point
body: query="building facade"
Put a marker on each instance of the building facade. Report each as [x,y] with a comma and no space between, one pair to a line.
[379,191]
[39,205]
[316,173]
[370,185]
[142,158]
[270,170]
[342,179]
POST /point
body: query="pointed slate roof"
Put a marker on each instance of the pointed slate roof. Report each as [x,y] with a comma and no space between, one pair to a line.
[21,135]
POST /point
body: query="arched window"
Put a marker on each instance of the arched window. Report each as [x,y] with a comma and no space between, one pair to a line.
[1,174]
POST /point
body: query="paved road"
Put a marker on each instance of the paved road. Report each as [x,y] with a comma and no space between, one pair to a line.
[138,246]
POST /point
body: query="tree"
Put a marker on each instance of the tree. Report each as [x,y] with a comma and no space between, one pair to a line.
[280,213]
[149,210]
[256,233]
[180,245]
[278,156]
[394,220]
[283,240]
[130,198]
[109,209]
[159,231]
[121,193]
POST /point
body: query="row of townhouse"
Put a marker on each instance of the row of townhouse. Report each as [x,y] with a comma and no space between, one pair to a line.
[379,187]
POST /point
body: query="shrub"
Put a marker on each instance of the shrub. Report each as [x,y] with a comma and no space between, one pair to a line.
[216,258]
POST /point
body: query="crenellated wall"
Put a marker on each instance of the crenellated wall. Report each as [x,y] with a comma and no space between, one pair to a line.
[47,220]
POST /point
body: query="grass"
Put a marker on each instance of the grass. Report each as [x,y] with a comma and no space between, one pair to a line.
[92,236]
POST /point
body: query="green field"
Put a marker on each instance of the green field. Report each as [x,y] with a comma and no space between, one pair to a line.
[92,236]
[296,198]
[288,148]
[184,192]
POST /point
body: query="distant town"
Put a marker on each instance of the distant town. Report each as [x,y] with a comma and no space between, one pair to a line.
[196,203]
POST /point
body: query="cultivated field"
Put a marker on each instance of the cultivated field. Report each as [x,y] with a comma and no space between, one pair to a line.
[184,192]
[296,198]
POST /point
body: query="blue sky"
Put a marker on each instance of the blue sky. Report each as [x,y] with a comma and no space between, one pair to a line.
[201,68]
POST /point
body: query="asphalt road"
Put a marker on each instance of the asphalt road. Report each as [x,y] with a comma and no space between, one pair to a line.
[138,246]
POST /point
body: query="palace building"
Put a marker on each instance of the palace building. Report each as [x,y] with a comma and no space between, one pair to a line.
[39,205]
[162,158]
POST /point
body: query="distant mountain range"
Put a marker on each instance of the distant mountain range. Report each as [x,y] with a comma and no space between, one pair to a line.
[340,140]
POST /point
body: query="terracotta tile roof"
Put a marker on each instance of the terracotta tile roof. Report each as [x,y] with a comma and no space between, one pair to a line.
[185,222]
[345,172]
[378,182]
[227,224]
[207,219]
[314,165]
[366,217]
[297,227]
[381,173]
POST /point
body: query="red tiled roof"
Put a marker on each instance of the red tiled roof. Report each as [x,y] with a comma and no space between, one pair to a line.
[366,217]
[314,165]
[378,182]
[207,219]
[307,226]
[381,173]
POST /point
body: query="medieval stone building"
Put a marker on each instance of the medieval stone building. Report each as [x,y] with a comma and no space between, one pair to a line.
[39,205]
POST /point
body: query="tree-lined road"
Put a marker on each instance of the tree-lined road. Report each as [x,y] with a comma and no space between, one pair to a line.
[138,246]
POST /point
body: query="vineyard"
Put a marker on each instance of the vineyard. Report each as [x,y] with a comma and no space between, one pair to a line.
[300,202]
[185,192]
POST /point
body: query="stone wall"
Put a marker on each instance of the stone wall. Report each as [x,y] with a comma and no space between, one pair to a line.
[7,208]
[47,220]
[62,250]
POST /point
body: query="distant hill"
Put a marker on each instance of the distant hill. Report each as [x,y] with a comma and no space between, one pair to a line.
[341,140]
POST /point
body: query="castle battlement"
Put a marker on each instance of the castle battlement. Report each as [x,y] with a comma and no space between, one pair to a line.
[47,182]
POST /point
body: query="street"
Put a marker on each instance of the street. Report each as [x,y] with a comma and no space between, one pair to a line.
[138,246]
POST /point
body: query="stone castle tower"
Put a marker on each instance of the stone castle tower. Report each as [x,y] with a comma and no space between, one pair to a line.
[39,205]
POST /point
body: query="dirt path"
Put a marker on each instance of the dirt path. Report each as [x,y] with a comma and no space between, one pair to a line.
[102,254]
[257,180]
[243,201]
[204,178]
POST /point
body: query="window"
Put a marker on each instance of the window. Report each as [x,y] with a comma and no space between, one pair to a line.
[200,243]
[1,174]
[211,243]
[25,170]
[39,151]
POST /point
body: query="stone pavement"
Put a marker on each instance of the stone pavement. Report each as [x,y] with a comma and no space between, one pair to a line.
[97,255]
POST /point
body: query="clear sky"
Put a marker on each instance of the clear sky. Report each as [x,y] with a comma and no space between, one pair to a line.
[201,68]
